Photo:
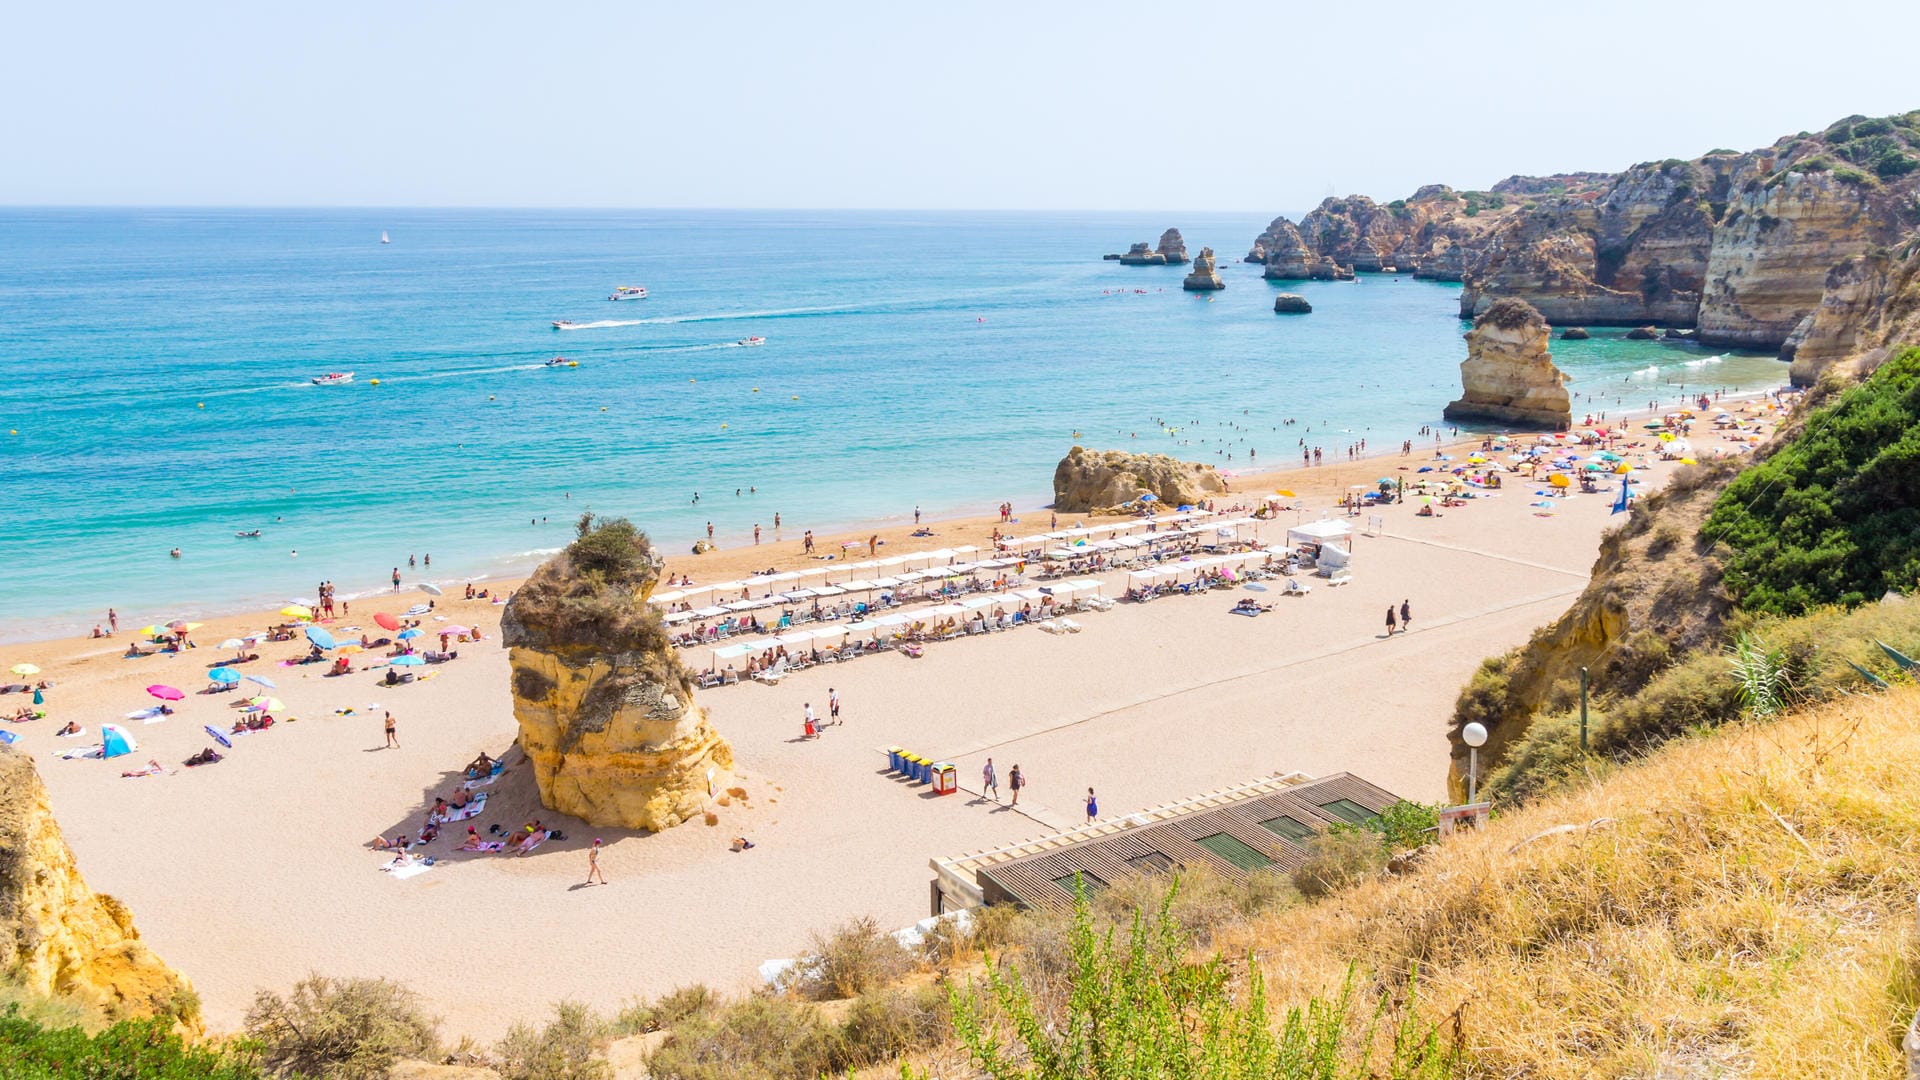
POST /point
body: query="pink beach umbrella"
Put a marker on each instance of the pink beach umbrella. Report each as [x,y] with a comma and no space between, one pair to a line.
[164,692]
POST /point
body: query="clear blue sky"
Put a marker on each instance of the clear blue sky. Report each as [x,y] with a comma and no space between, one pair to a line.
[1263,106]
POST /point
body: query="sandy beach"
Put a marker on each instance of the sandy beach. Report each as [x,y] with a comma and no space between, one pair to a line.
[1148,703]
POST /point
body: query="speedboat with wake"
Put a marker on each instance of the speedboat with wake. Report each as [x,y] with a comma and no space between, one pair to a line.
[561,361]
[751,341]
[564,324]
[333,378]
[629,292]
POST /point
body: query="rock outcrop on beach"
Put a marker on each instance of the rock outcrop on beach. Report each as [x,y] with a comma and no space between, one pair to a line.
[1508,376]
[1112,481]
[1288,303]
[59,938]
[1574,333]
[606,710]
[1737,245]
[1172,247]
[1204,277]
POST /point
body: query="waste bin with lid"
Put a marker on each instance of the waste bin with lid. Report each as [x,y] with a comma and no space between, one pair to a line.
[946,778]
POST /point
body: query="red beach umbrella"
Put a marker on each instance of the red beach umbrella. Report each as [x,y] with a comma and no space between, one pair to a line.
[164,692]
[386,621]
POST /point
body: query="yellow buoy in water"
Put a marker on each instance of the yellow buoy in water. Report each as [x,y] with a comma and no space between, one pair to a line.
[756,389]
[375,382]
[489,397]
[199,404]
[603,408]
[723,427]
[796,397]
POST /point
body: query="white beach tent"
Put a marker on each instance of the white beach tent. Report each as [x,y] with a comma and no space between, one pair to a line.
[1328,533]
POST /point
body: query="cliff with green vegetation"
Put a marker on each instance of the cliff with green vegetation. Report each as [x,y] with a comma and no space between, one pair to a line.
[1792,246]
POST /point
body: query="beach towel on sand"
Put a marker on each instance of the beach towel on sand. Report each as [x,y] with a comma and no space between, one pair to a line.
[410,870]
[472,809]
[475,785]
[532,842]
[487,845]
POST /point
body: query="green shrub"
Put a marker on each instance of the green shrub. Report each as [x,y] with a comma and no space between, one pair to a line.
[568,1048]
[128,1050]
[852,960]
[761,1036]
[1833,516]
[1337,857]
[1544,760]
[640,1018]
[1407,824]
[346,1028]
[885,1024]
[1140,1009]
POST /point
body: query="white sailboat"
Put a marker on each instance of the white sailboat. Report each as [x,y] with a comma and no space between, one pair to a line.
[384,238]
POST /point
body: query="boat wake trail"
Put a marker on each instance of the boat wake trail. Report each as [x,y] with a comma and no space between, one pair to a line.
[602,324]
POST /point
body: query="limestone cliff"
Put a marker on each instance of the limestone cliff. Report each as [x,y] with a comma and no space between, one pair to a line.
[605,709]
[1869,307]
[1112,481]
[1508,376]
[1738,244]
[1172,247]
[58,938]
[1204,276]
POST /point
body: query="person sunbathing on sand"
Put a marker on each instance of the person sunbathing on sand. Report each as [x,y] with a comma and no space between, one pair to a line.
[461,797]
[71,729]
[480,768]
[153,769]
[439,810]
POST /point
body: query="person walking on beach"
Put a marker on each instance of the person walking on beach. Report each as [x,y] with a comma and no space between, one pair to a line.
[916,515]
[593,863]
[873,544]
[393,737]
[113,621]
[989,782]
[1406,616]
[833,705]
[809,727]
[709,530]
[756,532]
[1390,620]
[1016,780]
[396,579]
[1093,806]
[776,521]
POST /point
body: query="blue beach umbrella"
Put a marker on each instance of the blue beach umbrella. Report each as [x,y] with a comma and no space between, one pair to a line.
[409,660]
[219,736]
[408,634]
[8,738]
[319,637]
[226,676]
[263,681]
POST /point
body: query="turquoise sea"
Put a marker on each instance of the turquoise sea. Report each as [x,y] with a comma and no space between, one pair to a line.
[154,369]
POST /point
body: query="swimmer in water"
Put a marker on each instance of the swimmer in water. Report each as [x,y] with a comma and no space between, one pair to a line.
[175,553]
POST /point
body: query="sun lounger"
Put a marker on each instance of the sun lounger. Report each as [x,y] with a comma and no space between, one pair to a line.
[1297,588]
[1068,625]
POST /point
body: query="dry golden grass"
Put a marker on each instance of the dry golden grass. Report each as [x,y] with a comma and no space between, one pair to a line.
[1741,904]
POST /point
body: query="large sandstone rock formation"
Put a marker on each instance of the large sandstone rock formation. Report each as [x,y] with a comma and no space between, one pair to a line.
[1112,481]
[1869,307]
[1738,244]
[1204,276]
[58,938]
[606,711]
[1172,247]
[1508,376]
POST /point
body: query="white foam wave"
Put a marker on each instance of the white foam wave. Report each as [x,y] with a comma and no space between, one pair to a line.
[1651,371]
[1705,360]
[601,324]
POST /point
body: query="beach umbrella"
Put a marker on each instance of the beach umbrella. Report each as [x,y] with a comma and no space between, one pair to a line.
[455,630]
[431,590]
[386,622]
[219,736]
[1284,493]
[320,637]
[25,669]
[232,643]
[224,675]
[8,738]
[1559,480]
[296,611]
[115,742]
[263,681]
[409,660]
[164,692]
[408,634]
[349,649]
[265,703]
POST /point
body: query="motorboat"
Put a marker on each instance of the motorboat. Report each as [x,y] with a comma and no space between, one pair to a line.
[629,292]
[333,378]
[564,324]
[752,341]
[561,361]
[251,534]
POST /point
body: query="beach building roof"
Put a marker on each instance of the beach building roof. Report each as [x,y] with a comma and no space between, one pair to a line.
[1257,825]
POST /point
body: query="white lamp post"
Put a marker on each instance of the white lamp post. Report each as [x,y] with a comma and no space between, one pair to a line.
[1475,736]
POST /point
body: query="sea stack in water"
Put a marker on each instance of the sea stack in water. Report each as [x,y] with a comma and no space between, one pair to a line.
[1574,333]
[1112,481]
[57,936]
[1508,375]
[1142,255]
[1291,304]
[606,711]
[1204,277]
[1172,247]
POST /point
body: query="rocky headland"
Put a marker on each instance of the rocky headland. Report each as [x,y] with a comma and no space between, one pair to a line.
[1508,376]
[1780,248]
[59,938]
[605,709]
[1204,277]
[1112,481]
[1170,251]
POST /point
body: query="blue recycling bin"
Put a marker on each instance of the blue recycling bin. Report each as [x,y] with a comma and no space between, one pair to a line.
[893,758]
[923,770]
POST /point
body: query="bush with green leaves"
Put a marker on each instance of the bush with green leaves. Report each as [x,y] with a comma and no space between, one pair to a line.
[128,1050]
[1338,856]
[1832,516]
[349,1029]
[1407,824]
[568,1048]
[1139,1008]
